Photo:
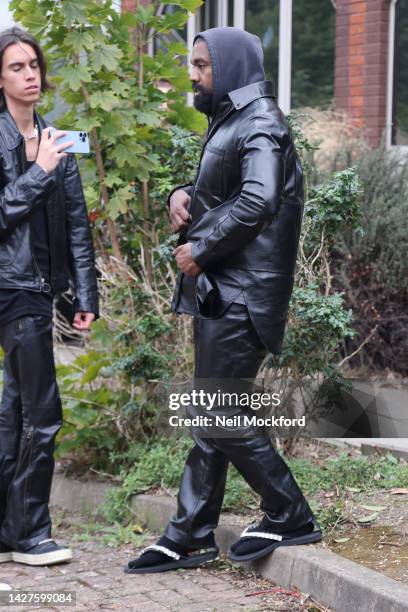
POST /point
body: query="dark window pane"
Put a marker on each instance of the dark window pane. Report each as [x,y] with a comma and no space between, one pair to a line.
[262,19]
[208,15]
[230,12]
[313,43]
[400,122]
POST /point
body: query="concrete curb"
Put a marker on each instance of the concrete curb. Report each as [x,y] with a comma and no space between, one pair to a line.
[332,580]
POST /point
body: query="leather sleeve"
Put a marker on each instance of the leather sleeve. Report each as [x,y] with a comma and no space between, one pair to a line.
[81,255]
[187,188]
[18,198]
[262,164]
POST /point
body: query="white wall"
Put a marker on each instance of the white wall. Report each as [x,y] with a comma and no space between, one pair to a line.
[5,17]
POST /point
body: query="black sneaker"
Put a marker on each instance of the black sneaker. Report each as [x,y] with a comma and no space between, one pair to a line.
[46,552]
[6,553]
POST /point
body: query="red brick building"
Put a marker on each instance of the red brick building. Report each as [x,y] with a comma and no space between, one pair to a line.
[366,74]
[368,44]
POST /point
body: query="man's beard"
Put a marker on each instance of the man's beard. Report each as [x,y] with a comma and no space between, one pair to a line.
[203,99]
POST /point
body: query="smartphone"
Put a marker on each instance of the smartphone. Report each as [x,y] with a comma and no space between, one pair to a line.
[80,138]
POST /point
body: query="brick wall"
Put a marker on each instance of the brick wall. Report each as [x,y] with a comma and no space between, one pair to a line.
[361,63]
[130,5]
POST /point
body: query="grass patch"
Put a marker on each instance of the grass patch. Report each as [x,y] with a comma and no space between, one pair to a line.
[161,464]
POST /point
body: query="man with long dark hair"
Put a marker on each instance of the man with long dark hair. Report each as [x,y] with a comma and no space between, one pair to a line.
[45,240]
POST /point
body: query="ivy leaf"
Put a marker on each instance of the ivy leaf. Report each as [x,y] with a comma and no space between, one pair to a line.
[75,75]
[106,56]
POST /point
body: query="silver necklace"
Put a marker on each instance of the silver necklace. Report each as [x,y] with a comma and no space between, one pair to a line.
[34,133]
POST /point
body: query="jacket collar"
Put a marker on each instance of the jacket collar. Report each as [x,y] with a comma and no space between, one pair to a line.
[238,99]
[245,95]
[9,129]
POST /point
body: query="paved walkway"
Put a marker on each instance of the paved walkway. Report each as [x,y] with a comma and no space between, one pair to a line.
[96,575]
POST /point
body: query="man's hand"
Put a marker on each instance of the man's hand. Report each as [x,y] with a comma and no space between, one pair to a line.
[83,320]
[50,152]
[185,262]
[179,216]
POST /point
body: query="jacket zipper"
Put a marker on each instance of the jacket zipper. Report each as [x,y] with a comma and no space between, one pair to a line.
[44,286]
[30,441]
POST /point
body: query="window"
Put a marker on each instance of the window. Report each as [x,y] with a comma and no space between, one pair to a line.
[262,19]
[207,15]
[399,130]
[313,45]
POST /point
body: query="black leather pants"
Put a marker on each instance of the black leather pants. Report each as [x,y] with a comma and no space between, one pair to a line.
[229,347]
[30,418]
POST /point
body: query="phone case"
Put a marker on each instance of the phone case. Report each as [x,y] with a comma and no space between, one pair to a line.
[80,138]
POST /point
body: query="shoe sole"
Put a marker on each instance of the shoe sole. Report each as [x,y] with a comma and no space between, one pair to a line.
[192,562]
[51,558]
[5,557]
[305,539]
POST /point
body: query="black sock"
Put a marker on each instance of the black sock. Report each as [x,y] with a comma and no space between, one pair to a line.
[154,557]
[247,546]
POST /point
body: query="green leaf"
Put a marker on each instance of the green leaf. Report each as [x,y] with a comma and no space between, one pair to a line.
[112,179]
[150,118]
[79,40]
[106,100]
[74,76]
[120,88]
[127,153]
[87,122]
[73,10]
[177,49]
[374,508]
[105,56]
[145,14]
[118,203]
[369,518]
[340,540]
[188,5]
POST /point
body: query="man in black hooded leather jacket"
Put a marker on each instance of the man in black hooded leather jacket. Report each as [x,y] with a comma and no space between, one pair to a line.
[45,241]
[240,224]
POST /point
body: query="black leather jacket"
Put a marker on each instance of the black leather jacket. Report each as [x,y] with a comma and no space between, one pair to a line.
[247,207]
[70,241]
[248,157]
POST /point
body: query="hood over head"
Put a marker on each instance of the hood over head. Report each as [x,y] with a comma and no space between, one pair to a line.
[236,59]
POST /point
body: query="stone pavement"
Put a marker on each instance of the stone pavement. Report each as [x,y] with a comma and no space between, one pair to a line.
[96,575]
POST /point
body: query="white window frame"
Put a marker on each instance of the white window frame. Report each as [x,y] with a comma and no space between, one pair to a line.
[285,43]
[390,81]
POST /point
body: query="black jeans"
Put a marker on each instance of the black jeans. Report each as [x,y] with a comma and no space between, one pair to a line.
[30,418]
[229,348]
